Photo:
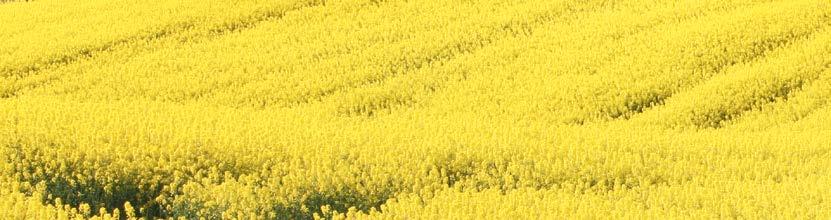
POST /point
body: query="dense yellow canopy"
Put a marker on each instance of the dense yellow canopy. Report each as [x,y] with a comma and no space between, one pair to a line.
[415,109]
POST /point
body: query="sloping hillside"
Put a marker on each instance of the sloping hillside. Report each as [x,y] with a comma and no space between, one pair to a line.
[415,109]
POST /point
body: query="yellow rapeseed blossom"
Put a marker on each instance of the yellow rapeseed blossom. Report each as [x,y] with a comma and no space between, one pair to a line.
[415,109]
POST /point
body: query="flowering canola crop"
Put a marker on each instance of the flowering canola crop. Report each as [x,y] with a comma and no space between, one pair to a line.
[415,109]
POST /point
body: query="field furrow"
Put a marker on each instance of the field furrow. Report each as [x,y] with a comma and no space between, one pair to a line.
[746,87]
[811,98]
[512,54]
[692,61]
[27,76]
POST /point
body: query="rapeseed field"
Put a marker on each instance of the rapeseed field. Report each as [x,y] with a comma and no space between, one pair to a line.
[415,109]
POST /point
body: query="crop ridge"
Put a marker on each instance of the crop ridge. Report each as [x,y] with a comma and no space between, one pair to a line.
[643,99]
[392,100]
[658,101]
[184,31]
[404,65]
